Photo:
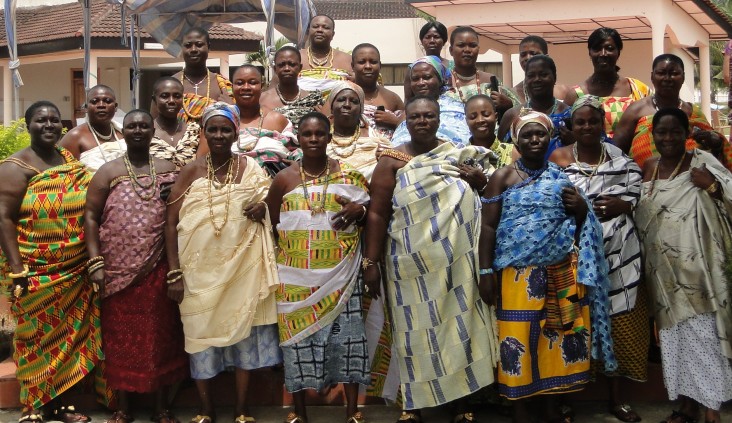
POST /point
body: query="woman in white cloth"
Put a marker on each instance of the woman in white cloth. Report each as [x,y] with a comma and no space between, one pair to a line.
[219,244]
[683,219]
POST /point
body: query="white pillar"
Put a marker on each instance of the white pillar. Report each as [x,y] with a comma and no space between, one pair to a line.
[507,67]
[658,33]
[7,96]
[93,69]
[223,65]
[705,78]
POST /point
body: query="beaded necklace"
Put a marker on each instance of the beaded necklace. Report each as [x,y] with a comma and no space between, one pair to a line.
[344,147]
[314,62]
[673,174]
[315,208]
[282,98]
[531,176]
[595,167]
[105,138]
[228,181]
[464,78]
[141,192]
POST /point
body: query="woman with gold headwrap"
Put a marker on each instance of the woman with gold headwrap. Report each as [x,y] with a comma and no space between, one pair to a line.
[542,256]
[429,77]
[220,248]
[612,182]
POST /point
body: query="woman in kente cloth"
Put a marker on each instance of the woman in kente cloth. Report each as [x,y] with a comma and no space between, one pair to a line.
[264,134]
[612,182]
[318,206]
[98,141]
[223,274]
[285,95]
[174,140]
[43,265]
[324,65]
[544,257]
[201,87]
[124,227]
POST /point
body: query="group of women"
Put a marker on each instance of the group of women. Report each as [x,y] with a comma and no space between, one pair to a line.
[423,250]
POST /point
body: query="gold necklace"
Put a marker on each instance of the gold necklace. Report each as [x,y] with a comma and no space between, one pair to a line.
[314,62]
[595,167]
[284,101]
[195,87]
[345,147]
[671,176]
[315,208]
[228,180]
[141,192]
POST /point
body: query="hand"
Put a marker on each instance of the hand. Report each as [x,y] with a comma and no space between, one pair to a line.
[573,201]
[701,177]
[473,175]
[256,211]
[487,289]
[607,207]
[98,281]
[372,281]
[708,140]
[386,118]
[350,212]
[501,101]
[566,135]
[176,290]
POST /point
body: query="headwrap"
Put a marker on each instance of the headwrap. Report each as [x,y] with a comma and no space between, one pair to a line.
[527,116]
[347,85]
[229,111]
[589,101]
[442,71]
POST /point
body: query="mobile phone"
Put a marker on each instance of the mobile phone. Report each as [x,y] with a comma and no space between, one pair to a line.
[567,123]
[382,108]
[494,83]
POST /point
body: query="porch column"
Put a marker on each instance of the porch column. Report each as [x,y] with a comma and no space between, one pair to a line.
[507,67]
[223,65]
[93,69]
[705,78]
[658,33]
[7,96]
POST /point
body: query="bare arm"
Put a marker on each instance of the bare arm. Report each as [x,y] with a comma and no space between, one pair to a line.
[175,201]
[505,125]
[96,198]
[12,190]
[274,198]
[490,217]
[625,130]
[70,141]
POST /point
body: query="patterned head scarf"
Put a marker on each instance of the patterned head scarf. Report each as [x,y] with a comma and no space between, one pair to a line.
[229,111]
[442,71]
[346,85]
[589,101]
[527,116]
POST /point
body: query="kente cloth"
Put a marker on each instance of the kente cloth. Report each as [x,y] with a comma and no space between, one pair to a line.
[453,126]
[617,177]
[318,266]
[616,106]
[535,359]
[57,341]
[143,335]
[132,231]
[260,349]
[693,363]
[269,147]
[631,341]
[464,93]
[378,131]
[359,154]
[444,335]
[535,230]
[321,79]
[685,241]
[229,278]
[643,147]
[504,153]
[194,104]
[337,353]
[104,152]
[300,107]
[182,153]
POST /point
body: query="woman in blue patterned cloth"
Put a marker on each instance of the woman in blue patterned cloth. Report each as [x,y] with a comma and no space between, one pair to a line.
[542,256]
[429,77]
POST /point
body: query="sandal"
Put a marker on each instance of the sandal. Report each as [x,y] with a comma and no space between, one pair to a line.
[292,417]
[679,417]
[465,418]
[244,419]
[33,416]
[624,413]
[357,417]
[165,416]
[120,416]
[68,414]
[409,417]
[201,419]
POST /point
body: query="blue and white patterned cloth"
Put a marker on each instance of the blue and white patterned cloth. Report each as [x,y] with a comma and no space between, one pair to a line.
[260,349]
[535,230]
[453,126]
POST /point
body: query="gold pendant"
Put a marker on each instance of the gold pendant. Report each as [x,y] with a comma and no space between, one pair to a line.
[316,210]
[217,232]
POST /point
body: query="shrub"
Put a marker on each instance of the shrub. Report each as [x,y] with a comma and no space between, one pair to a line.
[13,138]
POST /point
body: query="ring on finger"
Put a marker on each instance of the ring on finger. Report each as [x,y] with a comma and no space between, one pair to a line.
[366,289]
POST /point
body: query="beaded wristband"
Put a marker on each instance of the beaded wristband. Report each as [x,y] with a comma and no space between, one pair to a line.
[488,271]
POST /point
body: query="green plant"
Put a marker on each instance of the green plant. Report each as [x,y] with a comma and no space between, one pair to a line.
[13,138]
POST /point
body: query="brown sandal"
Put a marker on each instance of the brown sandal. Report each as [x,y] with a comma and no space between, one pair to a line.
[465,418]
[165,416]
[624,413]
[292,417]
[201,419]
[409,417]
[120,416]
[357,417]
[68,414]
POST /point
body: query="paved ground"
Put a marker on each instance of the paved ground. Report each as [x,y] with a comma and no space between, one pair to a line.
[587,411]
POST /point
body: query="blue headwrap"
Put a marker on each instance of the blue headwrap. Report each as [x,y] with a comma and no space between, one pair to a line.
[443,73]
[229,111]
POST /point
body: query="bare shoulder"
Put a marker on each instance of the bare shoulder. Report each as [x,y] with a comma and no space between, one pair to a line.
[562,156]
[392,100]
[162,165]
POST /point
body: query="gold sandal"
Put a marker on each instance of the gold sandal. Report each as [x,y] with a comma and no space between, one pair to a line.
[409,417]
[244,419]
[292,417]
[201,419]
[357,417]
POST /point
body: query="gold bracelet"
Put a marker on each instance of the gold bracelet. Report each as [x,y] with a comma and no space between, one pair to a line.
[174,272]
[714,187]
[367,262]
[94,259]
[175,279]
[94,267]
[365,211]
[19,275]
